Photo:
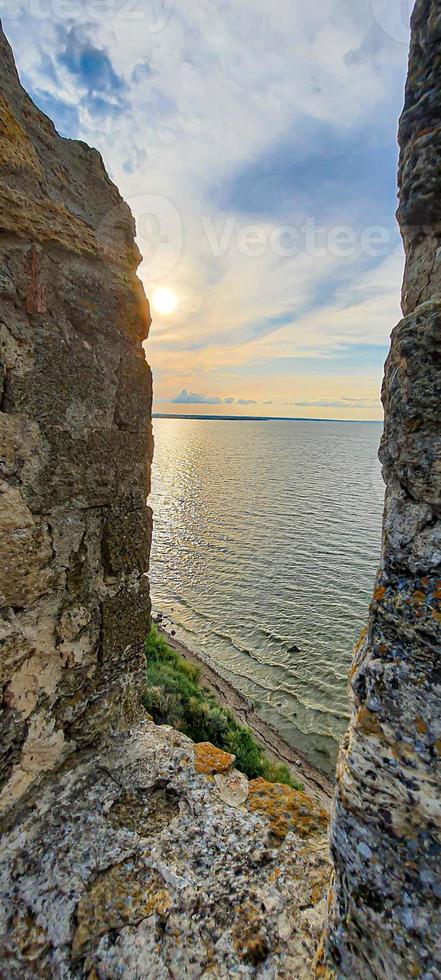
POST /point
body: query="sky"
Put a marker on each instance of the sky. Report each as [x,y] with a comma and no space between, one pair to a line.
[255,141]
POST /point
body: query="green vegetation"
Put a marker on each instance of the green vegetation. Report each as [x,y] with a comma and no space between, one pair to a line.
[174,696]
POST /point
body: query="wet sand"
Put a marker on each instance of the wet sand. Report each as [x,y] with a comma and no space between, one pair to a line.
[315,783]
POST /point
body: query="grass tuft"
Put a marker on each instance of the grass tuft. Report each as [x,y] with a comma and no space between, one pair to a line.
[174,696]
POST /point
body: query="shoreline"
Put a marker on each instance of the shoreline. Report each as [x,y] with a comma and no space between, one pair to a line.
[316,784]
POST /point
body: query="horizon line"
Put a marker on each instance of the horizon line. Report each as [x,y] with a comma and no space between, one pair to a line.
[258,418]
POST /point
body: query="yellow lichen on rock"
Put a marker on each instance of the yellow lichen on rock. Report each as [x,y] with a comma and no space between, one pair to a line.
[209,760]
[320,970]
[123,896]
[368,723]
[152,875]
[16,150]
[286,809]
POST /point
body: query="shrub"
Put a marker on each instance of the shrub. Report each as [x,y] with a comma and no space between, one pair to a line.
[249,756]
[174,696]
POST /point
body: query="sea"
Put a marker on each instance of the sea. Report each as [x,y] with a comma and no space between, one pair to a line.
[266,545]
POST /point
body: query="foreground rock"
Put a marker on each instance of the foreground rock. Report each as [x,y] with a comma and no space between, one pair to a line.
[131,865]
[386,830]
[75,447]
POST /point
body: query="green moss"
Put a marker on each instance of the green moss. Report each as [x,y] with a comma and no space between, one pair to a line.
[174,696]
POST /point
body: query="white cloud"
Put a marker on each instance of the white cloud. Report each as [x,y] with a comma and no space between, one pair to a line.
[191,398]
[219,85]
[342,403]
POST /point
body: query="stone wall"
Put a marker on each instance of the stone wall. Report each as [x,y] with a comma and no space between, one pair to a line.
[386,829]
[75,447]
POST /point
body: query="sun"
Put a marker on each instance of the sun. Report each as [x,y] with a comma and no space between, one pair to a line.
[164,300]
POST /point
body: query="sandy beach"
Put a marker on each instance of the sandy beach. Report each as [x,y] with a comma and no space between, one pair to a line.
[276,748]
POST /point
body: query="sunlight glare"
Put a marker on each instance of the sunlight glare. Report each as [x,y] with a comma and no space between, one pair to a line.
[164,300]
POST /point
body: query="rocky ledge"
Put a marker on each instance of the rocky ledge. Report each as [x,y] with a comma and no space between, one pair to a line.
[160,860]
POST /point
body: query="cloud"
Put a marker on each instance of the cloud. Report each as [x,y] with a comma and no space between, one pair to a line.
[102,89]
[342,402]
[90,64]
[191,398]
[327,175]
[312,94]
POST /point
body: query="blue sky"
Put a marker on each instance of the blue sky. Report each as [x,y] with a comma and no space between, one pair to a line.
[256,144]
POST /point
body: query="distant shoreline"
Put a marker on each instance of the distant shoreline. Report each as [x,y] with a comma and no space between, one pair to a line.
[315,782]
[260,418]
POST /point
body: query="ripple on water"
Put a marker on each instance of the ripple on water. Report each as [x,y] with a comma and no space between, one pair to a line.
[265,547]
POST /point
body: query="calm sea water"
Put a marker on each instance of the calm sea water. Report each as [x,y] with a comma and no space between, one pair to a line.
[265,549]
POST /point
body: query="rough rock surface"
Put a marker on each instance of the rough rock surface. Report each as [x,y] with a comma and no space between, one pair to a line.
[386,830]
[129,864]
[75,447]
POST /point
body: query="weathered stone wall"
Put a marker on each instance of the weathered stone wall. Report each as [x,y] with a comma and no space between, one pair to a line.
[75,446]
[386,829]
